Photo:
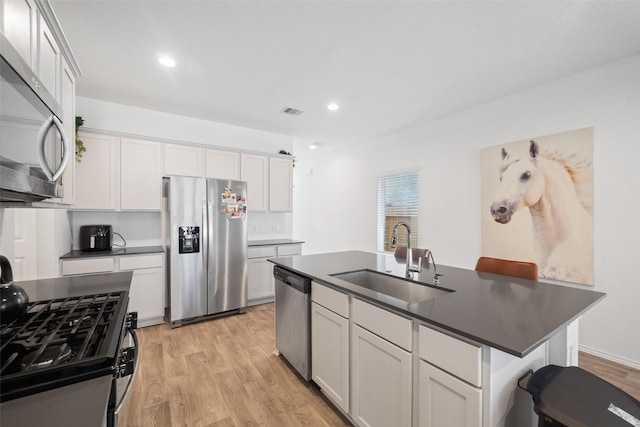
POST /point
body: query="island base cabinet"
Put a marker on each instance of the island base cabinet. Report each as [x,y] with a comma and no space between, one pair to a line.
[330,354]
[447,401]
[381,381]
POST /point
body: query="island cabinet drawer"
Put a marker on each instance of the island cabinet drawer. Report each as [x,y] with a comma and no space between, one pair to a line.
[261,251]
[330,299]
[457,357]
[383,323]
[87,266]
[136,262]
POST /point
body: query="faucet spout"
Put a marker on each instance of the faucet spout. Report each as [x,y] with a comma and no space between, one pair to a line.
[409,257]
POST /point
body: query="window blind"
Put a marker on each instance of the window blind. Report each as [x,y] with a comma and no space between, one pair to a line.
[397,201]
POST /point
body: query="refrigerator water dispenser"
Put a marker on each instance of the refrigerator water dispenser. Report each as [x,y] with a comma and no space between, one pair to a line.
[188,239]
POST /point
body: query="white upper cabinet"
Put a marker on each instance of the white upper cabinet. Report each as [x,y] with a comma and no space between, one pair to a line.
[182,160]
[222,164]
[96,174]
[48,59]
[119,174]
[26,28]
[20,27]
[280,184]
[255,171]
[140,175]
[269,182]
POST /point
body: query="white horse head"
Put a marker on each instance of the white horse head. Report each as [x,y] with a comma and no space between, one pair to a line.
[521,184]
[547,185]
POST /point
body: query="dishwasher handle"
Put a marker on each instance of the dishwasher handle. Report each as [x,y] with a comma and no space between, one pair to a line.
[296,281]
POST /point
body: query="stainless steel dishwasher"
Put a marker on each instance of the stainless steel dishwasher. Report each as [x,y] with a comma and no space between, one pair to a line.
[293,319]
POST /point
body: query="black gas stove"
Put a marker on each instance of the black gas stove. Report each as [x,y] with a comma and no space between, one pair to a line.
[61,341]
[62,345]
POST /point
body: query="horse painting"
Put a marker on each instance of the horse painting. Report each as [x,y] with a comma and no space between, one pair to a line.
[550,186]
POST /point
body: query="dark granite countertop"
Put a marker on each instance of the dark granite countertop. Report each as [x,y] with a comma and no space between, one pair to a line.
[62,287]
[510,314]
[136,250]
[272,242]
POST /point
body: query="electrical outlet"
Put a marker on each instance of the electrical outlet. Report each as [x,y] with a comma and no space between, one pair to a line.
[257,228]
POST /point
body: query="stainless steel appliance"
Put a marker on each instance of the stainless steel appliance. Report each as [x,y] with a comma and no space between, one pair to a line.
[95,237]
[34,149]
[64,361]
[207,248]
[293,319]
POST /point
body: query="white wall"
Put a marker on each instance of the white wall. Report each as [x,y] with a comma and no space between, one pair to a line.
[113,117]
[137,228]
[335,195]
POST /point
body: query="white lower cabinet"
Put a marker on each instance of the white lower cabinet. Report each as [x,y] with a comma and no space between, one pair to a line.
[381,381]
[261,284]
[330,354]
[146,294]
[403,372]
[447,401]
[450,381]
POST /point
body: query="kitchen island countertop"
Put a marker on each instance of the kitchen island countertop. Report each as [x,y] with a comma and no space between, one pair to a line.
[510,314]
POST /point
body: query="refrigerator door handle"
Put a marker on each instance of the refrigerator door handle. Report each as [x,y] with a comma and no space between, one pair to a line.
[210,238]
[204,238]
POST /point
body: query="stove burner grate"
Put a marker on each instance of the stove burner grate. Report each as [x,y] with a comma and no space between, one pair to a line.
[58,332]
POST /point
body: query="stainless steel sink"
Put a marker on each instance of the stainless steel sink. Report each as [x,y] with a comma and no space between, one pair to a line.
[396,287]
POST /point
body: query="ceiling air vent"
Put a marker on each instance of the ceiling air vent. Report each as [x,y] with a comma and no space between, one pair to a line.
[292,111]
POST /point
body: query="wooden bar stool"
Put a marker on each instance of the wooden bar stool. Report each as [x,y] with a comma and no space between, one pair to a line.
[521,269]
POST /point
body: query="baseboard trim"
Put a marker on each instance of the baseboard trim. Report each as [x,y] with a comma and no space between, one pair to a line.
[611,357]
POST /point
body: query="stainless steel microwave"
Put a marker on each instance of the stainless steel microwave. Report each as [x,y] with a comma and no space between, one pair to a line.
[34,149]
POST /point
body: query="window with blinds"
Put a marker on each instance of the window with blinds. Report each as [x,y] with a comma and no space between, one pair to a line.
[397,201]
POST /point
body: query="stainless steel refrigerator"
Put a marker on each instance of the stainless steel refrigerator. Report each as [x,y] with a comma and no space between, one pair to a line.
[207,248]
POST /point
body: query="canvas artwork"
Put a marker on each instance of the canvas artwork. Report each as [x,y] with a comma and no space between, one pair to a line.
[537,203]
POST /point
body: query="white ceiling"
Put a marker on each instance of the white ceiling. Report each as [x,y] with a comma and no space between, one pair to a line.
[389,64]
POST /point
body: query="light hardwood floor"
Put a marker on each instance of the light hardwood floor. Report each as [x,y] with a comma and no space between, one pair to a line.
[224,373]
[221,373]
[621,376]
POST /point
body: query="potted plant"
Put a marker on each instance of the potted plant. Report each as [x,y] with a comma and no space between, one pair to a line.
[80,148]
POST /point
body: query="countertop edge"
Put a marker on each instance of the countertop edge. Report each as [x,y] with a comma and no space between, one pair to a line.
[135,250]
[273,242]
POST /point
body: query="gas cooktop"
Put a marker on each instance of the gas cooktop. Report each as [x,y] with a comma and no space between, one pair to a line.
[60,342]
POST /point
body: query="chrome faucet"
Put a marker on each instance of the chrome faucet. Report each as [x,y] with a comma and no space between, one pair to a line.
[409,257]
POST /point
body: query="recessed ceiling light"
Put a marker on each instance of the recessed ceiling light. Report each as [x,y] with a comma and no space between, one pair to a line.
[333,106]
[313,146]
[167,61]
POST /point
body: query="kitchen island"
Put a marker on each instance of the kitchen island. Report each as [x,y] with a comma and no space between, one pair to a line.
[452,359]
